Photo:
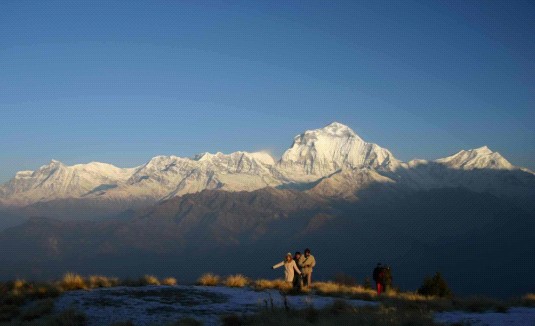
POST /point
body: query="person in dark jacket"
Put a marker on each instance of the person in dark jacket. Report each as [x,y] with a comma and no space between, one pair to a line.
[379,278]
[298,279]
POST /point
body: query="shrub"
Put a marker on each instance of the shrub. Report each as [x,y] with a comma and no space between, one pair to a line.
[435,286]
[149,280]
[236,281]
[170,281]
[208,279]
[72,281]
[99,281]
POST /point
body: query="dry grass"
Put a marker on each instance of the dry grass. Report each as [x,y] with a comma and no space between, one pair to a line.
[264,284]
[149,280]
[340,290]
[170,281]
[72,281]
[236,281]
[99,281]
[209,279]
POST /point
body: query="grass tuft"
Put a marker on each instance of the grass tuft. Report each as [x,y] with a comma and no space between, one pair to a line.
[99,281]
[72,281]
[170,281]
[236,281]
[264,284]
[340,290]
[149,280]
[209,279]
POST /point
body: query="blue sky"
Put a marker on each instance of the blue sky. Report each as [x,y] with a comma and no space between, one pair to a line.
[123,81]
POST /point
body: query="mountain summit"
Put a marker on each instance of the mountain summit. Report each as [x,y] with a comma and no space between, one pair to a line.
[321,152]
[332,161]
[479,158]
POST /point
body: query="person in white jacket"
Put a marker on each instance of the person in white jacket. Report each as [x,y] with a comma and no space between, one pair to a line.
[289,268]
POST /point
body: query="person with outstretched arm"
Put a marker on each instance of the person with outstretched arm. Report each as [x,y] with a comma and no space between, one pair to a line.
[289,268]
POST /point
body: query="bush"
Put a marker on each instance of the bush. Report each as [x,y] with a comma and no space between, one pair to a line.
[236,281]
[170,281]
[435,286]
[208,279]
[72,281]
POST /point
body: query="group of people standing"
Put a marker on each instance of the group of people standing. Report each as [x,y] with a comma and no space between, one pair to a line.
[298,269]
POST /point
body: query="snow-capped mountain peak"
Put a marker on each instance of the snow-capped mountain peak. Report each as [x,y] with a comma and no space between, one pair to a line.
[323,151]
[335,129]
[478,158]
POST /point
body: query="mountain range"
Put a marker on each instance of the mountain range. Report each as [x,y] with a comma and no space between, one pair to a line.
[331,162]
[351,201]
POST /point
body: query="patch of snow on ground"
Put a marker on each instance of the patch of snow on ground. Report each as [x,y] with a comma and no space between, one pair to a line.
[519,316]
[167,304]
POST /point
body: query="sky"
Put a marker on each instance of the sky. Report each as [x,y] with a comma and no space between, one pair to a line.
[123,81]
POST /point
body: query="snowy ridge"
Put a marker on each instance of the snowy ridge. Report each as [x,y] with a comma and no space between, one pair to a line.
[479,158]
[332,161]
